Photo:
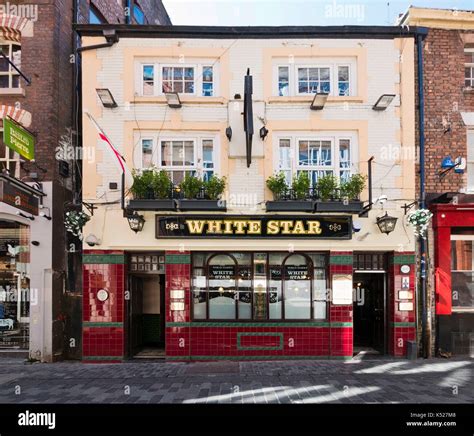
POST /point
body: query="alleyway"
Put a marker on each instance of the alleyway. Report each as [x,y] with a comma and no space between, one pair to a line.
[373,381]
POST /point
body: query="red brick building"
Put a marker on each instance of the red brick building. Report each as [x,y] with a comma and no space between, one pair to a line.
[37,38]
[448,77]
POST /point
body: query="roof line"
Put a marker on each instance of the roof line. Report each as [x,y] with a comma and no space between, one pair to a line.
[254,32]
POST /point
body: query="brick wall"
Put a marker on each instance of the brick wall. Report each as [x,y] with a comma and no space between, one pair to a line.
[444,101]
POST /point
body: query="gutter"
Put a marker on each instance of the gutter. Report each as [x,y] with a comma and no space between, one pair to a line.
[110,36]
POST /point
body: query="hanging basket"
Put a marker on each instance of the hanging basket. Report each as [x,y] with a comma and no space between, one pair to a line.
[74,222]
[420,221]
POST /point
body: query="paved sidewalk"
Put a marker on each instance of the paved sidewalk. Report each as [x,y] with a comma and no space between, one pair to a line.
[371,381]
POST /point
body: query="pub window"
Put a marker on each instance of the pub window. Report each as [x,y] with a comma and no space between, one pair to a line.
[469,67]
[9,160]
[332,155]
[462,272]
[9,77]
[259,286]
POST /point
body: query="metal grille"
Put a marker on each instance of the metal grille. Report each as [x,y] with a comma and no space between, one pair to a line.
[369,261]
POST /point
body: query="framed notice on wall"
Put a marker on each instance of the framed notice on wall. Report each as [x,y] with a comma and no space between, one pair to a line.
[341,289]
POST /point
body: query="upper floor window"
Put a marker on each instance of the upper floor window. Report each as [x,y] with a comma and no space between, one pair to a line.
[179,156]
[138,14]
[470,161]
[95,17]
[318,156]
[196,80]
[9,77]
[301,79]
[469,67]
[9,160]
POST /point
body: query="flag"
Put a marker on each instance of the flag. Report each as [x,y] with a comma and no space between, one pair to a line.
[114,154]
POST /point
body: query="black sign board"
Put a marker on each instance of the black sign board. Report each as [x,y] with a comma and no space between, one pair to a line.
[253,226]
[221,272]
[292,272]
[20,198]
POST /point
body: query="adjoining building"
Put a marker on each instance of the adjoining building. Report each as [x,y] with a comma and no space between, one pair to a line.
[175,270]
[40,299]
[448,76]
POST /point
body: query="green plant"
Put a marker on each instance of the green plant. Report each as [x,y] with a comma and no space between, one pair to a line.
[74,221]
[277,184]
[162,185]
[327,186]
[142,184]
[353,187]
[191,186]
[301,185]
[215,187]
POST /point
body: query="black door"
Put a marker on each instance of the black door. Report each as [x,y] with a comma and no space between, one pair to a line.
[369,311]
[162,311]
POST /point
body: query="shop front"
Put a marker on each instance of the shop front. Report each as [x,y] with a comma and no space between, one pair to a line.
[248,287]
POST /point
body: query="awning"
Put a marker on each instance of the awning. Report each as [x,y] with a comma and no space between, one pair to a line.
[15,113]
[11,27]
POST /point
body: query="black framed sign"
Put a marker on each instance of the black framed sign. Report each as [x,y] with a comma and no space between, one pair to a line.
[254,226]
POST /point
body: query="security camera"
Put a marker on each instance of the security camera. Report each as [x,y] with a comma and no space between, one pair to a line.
[91,240]
[382,199]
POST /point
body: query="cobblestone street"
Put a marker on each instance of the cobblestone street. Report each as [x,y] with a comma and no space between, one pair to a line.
[369,381]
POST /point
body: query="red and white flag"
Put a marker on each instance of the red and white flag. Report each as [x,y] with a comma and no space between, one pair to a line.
[114,154]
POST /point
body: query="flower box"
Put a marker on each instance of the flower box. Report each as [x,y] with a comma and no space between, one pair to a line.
[204,205]
[161,204]
[290,206]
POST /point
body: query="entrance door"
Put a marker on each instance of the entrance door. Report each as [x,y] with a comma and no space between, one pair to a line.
[135,313]
[369,311]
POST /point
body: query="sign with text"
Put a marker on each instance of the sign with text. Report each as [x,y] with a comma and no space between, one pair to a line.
[221,272]
[240,226]
[18,139]
[19,198]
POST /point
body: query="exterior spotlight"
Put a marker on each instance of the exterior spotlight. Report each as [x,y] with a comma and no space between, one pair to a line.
[43,214]
[106,98]
[319,101]
[383,102]
[386,223]
[172,98]
[263,133]
[228,133]
[31,217]
[35,243]
[135,221]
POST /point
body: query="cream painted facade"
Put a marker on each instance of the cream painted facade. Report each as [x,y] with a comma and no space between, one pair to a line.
[377,66]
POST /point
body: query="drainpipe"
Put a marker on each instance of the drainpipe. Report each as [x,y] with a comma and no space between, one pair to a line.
[128,7]
[422,245]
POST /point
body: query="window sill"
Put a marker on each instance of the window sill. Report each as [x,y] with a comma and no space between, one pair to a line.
[184,99]
[12,91]
[309,99]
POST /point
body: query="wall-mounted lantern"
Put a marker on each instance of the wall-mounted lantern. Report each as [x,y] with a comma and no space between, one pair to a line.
[386,223]
[135,221]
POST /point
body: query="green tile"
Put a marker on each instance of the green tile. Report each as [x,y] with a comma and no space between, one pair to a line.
[403,324]
[180,259]
[403,259]
[102,324]
[341,260]
[247,324]
[113,259]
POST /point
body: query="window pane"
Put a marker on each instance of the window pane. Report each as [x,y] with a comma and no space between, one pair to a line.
[275,293]
[285,154]
[303,87]
[344,153]
[189,87]
[461,256]
[189,153]
[313,87]
[167,87]
[463,289]
[207,89]
[148,88]
[343,74]
[166,153]
[167,73]
[199,293]
[189,73]
[148,72]
[147,153]
[4,82]
[15,81]
[297,288]
[221,274]
[343,88]
[207,74]
[325,87]
[177,86]
[313,73]
[178,153]
[302,74]
[324,73]
[4,65]
[245,293]
[303,153]
[178,73]
[325,158]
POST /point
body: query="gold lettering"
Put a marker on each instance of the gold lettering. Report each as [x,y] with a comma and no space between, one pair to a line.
[314,228]
[195,226]
[273,228]
[240,227]
[286,225]
[299,228]
[228,227]
[254,228]
[214,226]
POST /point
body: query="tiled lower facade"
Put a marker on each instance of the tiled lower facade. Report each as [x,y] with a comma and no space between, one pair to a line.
[105,336]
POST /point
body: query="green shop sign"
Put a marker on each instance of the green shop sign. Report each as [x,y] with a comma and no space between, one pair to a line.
[18,139]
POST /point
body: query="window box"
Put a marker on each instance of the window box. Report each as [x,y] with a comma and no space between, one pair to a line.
[339,206]
[197,204]
[162,204]
[290,206]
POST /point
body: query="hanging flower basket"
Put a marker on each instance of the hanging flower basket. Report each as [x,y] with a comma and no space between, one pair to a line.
[75,221]
[420,220]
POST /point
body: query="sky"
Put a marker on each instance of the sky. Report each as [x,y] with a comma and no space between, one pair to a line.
[297,12]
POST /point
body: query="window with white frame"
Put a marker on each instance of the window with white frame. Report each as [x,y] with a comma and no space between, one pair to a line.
[179,156]
[336,79]
[469,67]
[316,155]
[9,77]
[470,161]
[196,80]
[9,160]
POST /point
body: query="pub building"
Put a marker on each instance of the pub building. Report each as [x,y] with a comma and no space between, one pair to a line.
[253,271]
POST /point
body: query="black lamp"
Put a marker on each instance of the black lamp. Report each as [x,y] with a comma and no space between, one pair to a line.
[228,133]
[263,133]
[135,221]
[386,223]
